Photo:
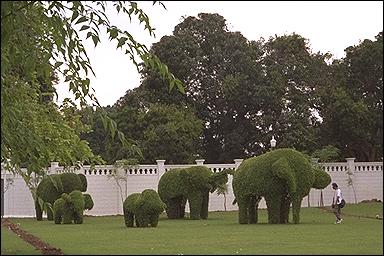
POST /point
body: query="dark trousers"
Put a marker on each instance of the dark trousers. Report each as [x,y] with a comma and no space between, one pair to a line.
[337,211]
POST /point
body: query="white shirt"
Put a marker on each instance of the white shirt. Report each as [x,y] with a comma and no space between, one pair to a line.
[338,195]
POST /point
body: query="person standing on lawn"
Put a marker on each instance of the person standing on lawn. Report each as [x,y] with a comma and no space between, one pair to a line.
[336,201]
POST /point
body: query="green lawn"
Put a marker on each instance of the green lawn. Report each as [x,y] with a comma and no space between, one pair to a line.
[11,244]
[220,234]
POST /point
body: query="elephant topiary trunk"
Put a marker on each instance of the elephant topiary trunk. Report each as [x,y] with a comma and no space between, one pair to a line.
[193,184]
[143,209]
[283,177]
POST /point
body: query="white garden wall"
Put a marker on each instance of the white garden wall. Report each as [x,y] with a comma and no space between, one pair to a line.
[367,181]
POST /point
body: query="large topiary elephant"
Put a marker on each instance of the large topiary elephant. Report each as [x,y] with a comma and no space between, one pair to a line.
[52,186]
[282,177]
[71,207]
[176,186]
[143,208]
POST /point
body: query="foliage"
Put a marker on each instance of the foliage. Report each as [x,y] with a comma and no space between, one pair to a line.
[240,89]
[352,105]
[281,176]
[293,74]
[327,154]
[171,133]
[143,208]
[69,207]
[40,42]
[162,131]
[52,186]
[219,69]
[178,185]
[88,202]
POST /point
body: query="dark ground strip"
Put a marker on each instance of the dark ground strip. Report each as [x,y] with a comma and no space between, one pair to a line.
[45,248]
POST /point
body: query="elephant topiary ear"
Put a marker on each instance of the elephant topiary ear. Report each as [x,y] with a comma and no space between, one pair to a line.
[88,202]
[56,182]
[83,181]
[322,179]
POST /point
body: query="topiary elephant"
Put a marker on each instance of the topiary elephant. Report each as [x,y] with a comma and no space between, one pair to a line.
[143,208]
[71,207]
[282,177]
[176,186]
[52,186]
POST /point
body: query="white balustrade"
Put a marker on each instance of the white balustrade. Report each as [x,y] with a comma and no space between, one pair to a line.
[367,184]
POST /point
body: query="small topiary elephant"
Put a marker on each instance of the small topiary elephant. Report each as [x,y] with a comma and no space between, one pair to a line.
[282,177]
[71,207]
[143,208]
[52,186]
[176,186]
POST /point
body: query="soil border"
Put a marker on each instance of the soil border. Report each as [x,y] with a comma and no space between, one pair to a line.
[36,242]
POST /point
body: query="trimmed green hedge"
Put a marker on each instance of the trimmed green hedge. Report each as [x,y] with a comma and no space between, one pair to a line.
[52,186]
[283,177]
[69,207]
[143,208]
[178,185]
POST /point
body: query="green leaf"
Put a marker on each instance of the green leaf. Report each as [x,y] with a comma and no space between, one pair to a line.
[84,27]
[58,64]
[89,34]
[113,33]
[81,19]
[95,39]
[75,14]
[122,41]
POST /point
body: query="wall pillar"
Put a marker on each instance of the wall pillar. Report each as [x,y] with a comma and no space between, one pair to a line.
[238,162]
[160,168]
[52,168]
[199,161]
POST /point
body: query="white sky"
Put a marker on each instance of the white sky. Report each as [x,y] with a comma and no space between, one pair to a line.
[330,26]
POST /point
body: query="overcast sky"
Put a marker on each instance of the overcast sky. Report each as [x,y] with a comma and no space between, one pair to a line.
[330,26]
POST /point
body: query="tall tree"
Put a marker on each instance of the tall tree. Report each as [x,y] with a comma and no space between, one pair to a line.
[293,74]
[352,109]
[220,69]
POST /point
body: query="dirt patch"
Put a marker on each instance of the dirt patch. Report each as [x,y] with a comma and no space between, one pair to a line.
[45,248]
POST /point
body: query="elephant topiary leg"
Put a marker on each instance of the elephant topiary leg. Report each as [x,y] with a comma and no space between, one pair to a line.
[175,208]
[142,220]
[154,220]
[284,209]
[128,218]
[182,208]
[39,212]
[252,209]
[296,205]
[67,216]
[204,206]
[273,208]
[195,202]
[78,218]
[49,214]
[58,218]
[243,210]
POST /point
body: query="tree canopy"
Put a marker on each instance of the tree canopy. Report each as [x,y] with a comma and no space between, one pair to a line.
[40,43]
[246,91]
